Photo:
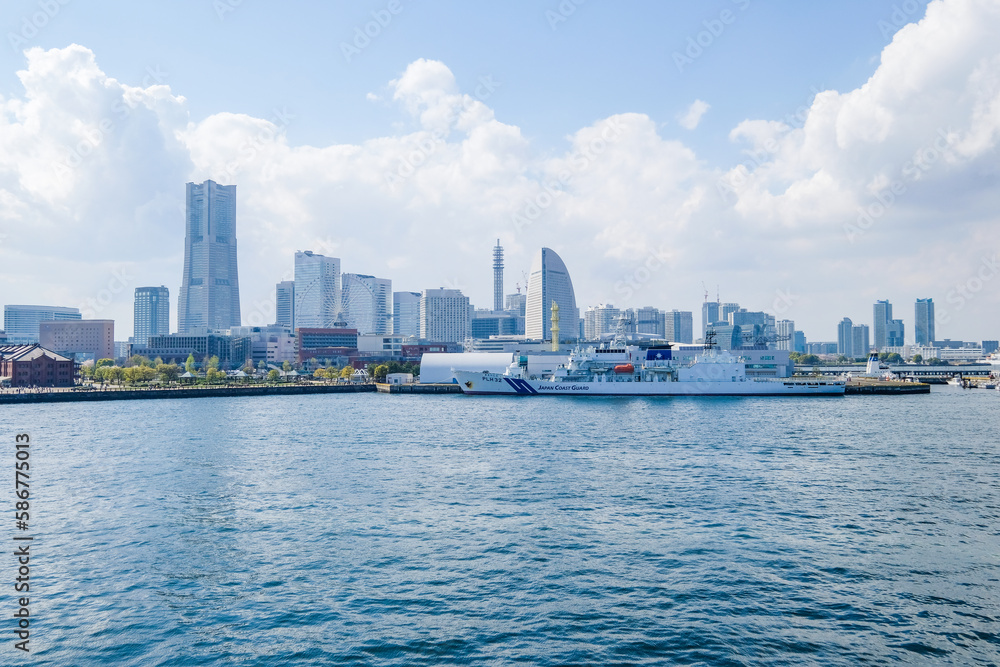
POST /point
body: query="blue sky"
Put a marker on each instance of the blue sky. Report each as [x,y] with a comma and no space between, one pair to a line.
[786,222]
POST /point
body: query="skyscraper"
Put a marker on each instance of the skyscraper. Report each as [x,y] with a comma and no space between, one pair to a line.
[845,337]
[498,277]
[709,315]
[786,335]
[881,315]
[549,281]
[151,313]
[210,287]
[860,343]
[284,303]
[923,321]
[599,321]
[444,316]
[366,303]
[317,291]
[678,326]
[406,314]
[21,322]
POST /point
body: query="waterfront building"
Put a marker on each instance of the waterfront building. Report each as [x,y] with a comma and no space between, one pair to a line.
[845,338]
[799,342]
[709,315]
[210,287]
[121,350]
[325,343]
[366,303]
[785,335]
[549,281]
[923,321]
[406,314]
[21,322]
[151,311]
[486,323]
[35,366]
[81,340]
[989,346]
[599,321]
[444,316]
[316,290]
[881,315]
[233,351]
[894,334]
[678,326]
[272,344]
[860,342]
[386,346]
[284,304]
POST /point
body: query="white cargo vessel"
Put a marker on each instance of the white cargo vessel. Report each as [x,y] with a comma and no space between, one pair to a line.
[619,369]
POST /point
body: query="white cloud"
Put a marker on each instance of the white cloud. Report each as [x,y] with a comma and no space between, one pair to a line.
[692,116]
[81,199]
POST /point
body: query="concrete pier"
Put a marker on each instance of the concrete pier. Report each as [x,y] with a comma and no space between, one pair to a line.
[72,396]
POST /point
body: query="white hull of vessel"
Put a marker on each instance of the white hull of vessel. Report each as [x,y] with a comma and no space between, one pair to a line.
[485,383]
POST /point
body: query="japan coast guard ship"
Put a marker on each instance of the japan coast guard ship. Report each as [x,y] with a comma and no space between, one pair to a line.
[619,369]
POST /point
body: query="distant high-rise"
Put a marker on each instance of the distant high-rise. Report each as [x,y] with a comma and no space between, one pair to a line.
[284,303]
[444,316]
[860,343]
[21,322]
[317,291]
[210,287]
[786,335]
[599,321]
[923,321]
[709,315]
[881,315]
[549,281]
[678,326]
[726,309]
[498,277]
[366,303]
[151,313]
[406,314]
[845,337]
[894,334]
[517,303]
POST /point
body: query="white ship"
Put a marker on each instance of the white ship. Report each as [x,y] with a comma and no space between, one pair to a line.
[619,369]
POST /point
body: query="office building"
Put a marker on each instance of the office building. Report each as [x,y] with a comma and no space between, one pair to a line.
[894,334]
[444,316]
[498,277]
[233,351]
[709,315]
[406,314]
[284,304]
[82,340]
[151,312]
[799,342]
[517,303]
[366,303]
[549,282]
[647,320]
[923,321]
[785,335]
[317,291]
[727,309]
[599,321]
[678,326]
[21,322]
[486,323]
[210,288]
[881,315]
[860,341]
[845,337]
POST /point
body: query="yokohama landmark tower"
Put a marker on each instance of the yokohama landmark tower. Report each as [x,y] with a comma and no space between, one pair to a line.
[210,288]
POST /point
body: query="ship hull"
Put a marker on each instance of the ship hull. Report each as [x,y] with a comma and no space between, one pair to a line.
[484,383]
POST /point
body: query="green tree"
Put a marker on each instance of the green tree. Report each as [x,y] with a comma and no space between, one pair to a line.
[380,372]
[213,363]
[189,364]
[842,359]
[918,359]
[115,374]
[286,366]
[320,373]
[105,362]
[168,372]
[273,375]
[808,359]
[137,360]
[158,361]
[346,372]
[213,375]
[248,367]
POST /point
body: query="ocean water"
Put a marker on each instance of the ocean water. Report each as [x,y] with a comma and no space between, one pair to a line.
[435,530]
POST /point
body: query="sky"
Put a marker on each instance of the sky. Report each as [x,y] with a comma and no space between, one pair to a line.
[806,159]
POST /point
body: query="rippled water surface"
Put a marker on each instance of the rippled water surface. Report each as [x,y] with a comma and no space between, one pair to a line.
[412,530]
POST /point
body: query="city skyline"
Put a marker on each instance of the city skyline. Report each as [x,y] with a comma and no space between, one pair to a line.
[811,188]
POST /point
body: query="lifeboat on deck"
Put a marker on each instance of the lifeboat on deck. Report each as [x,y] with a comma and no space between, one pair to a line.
[623,369]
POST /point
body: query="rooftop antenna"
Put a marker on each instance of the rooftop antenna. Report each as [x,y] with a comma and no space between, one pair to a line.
[717,299]
[706,290]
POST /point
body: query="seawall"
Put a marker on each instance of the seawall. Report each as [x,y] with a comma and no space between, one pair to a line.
[63,396]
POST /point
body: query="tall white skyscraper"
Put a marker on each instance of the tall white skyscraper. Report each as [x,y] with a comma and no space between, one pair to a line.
[678,326]
[549,281]
[444,316]
[599,321]
[406,314]
[210,286]
[151,313]
[366,303]
[284,303]
[317,290]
